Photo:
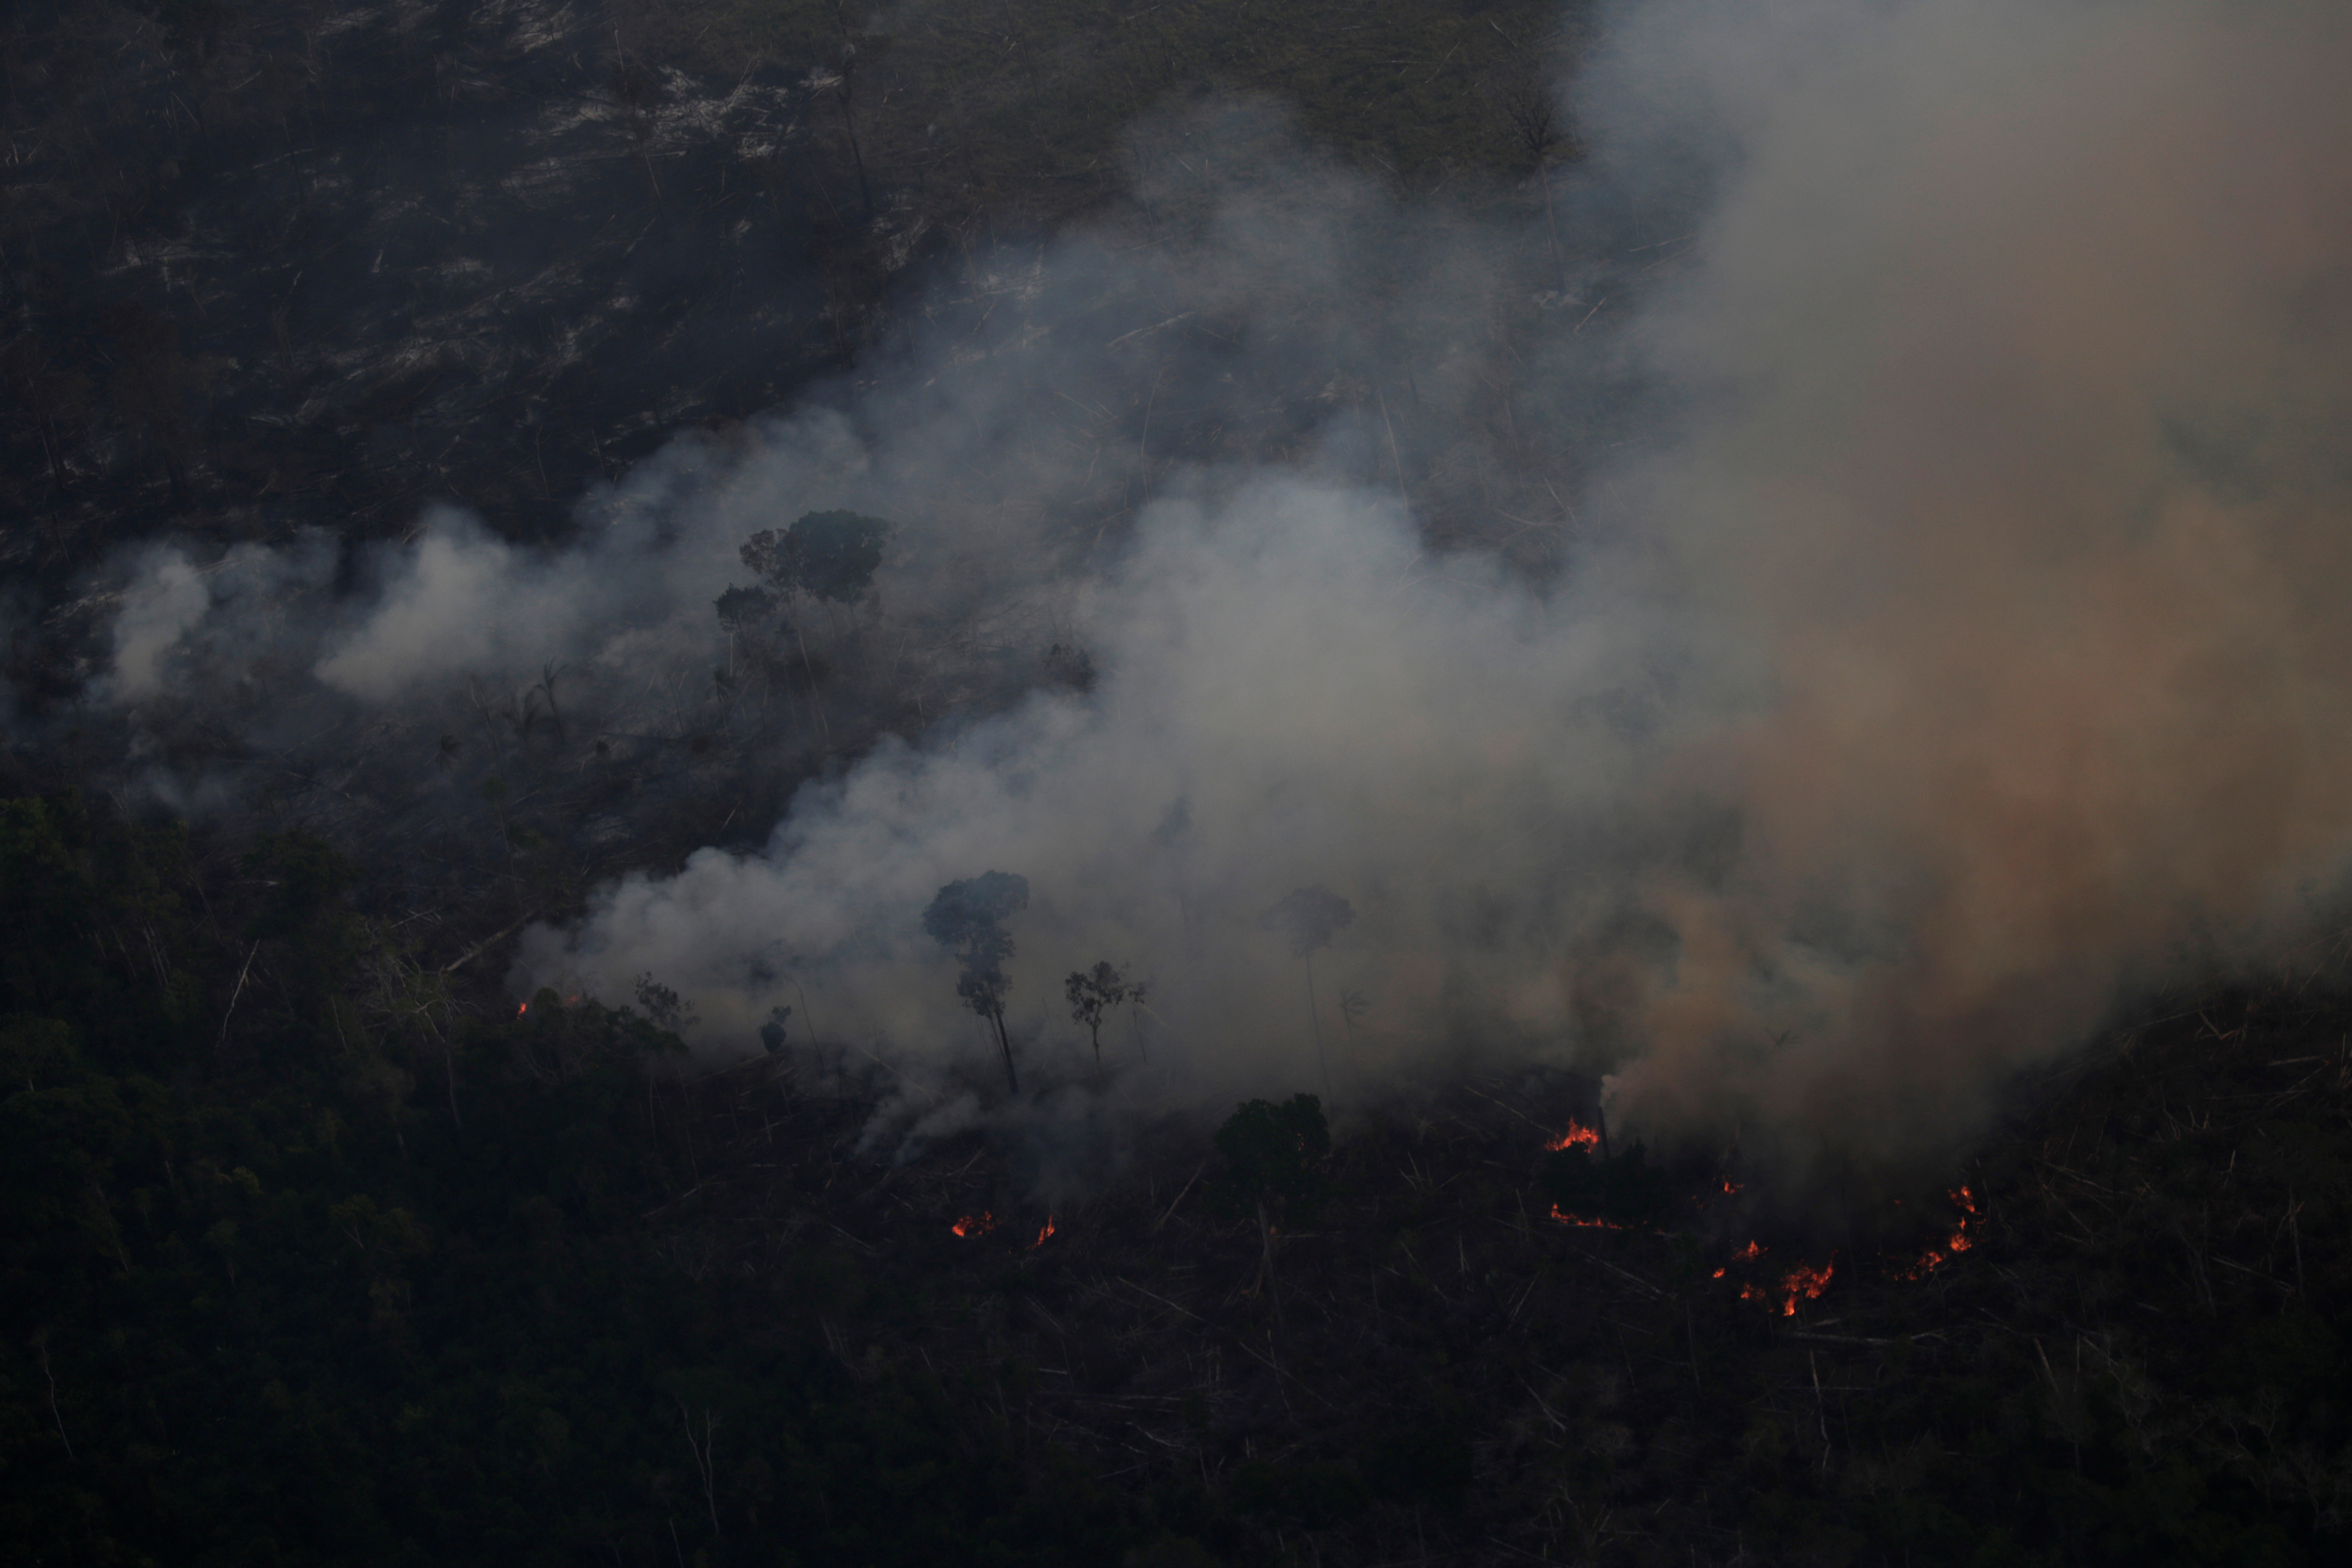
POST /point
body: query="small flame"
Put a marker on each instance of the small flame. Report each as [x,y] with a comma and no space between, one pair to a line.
[1749,1253]
[1043,1233]
[523,1009]
[1729,1186]
[1578,1136]
[1803,1282]
[1564,1217]
[975,1223]
[1959,1241]
[1806,1282]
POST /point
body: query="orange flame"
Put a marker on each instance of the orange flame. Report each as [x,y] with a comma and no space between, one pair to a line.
[1803,1282]
[1959,1241]
[1748,1253]
[1043,1233]
[975,1223]
[1806,1282]
[1729,1186]
[523,1009]
[1564,1217]
[1578,1136]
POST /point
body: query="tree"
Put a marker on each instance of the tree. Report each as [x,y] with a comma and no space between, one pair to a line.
[1353,1005]
[1272,1155]
[968,917]
[1311,917]
[828,556]
[1093,992]
[842,83]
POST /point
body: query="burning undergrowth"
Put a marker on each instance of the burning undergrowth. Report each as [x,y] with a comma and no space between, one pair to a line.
[1415,1355]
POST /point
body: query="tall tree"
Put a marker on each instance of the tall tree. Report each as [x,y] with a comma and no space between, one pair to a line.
[968,917]
[827,556]
[1094,992]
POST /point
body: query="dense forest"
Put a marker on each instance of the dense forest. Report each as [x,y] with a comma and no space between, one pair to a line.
[322,1246]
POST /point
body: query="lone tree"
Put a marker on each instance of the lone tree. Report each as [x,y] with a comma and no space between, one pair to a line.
[1272,1153]
[1311,917]
[828,556]
[740,609]
[968,917]
[1094,992]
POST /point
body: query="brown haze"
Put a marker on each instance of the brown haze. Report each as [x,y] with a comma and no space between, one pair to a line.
[2035,330]
[1958,655]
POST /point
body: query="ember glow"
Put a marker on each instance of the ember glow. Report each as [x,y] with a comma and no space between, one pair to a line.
[1043,1233]
[1748,1253]
[1959,1241]
[1803,1282]
[975,1225]
[1578,1136]
[1564,1217]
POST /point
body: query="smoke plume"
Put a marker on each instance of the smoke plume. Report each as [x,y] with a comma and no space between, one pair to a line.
[1804,629]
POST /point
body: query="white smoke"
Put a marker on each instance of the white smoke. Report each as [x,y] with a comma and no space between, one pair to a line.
[1292,692]
[1955,649]
[167,599]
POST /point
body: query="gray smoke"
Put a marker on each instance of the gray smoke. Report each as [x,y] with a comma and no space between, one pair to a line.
[1950,650]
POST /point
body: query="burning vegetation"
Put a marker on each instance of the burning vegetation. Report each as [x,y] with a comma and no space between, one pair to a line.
[1578,1136]
[319,1246]
[1366,1342]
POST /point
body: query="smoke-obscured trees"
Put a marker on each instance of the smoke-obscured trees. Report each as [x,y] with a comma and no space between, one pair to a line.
[1311,917]
[1094,992]
[827,556]
[968,917]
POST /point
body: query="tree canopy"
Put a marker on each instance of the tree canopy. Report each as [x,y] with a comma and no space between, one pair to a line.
[1310,917]
[828,556]
[968,917]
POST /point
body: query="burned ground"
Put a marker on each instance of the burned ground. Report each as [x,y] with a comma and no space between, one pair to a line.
[318,1248]
[313,1257]
[2130,1352]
